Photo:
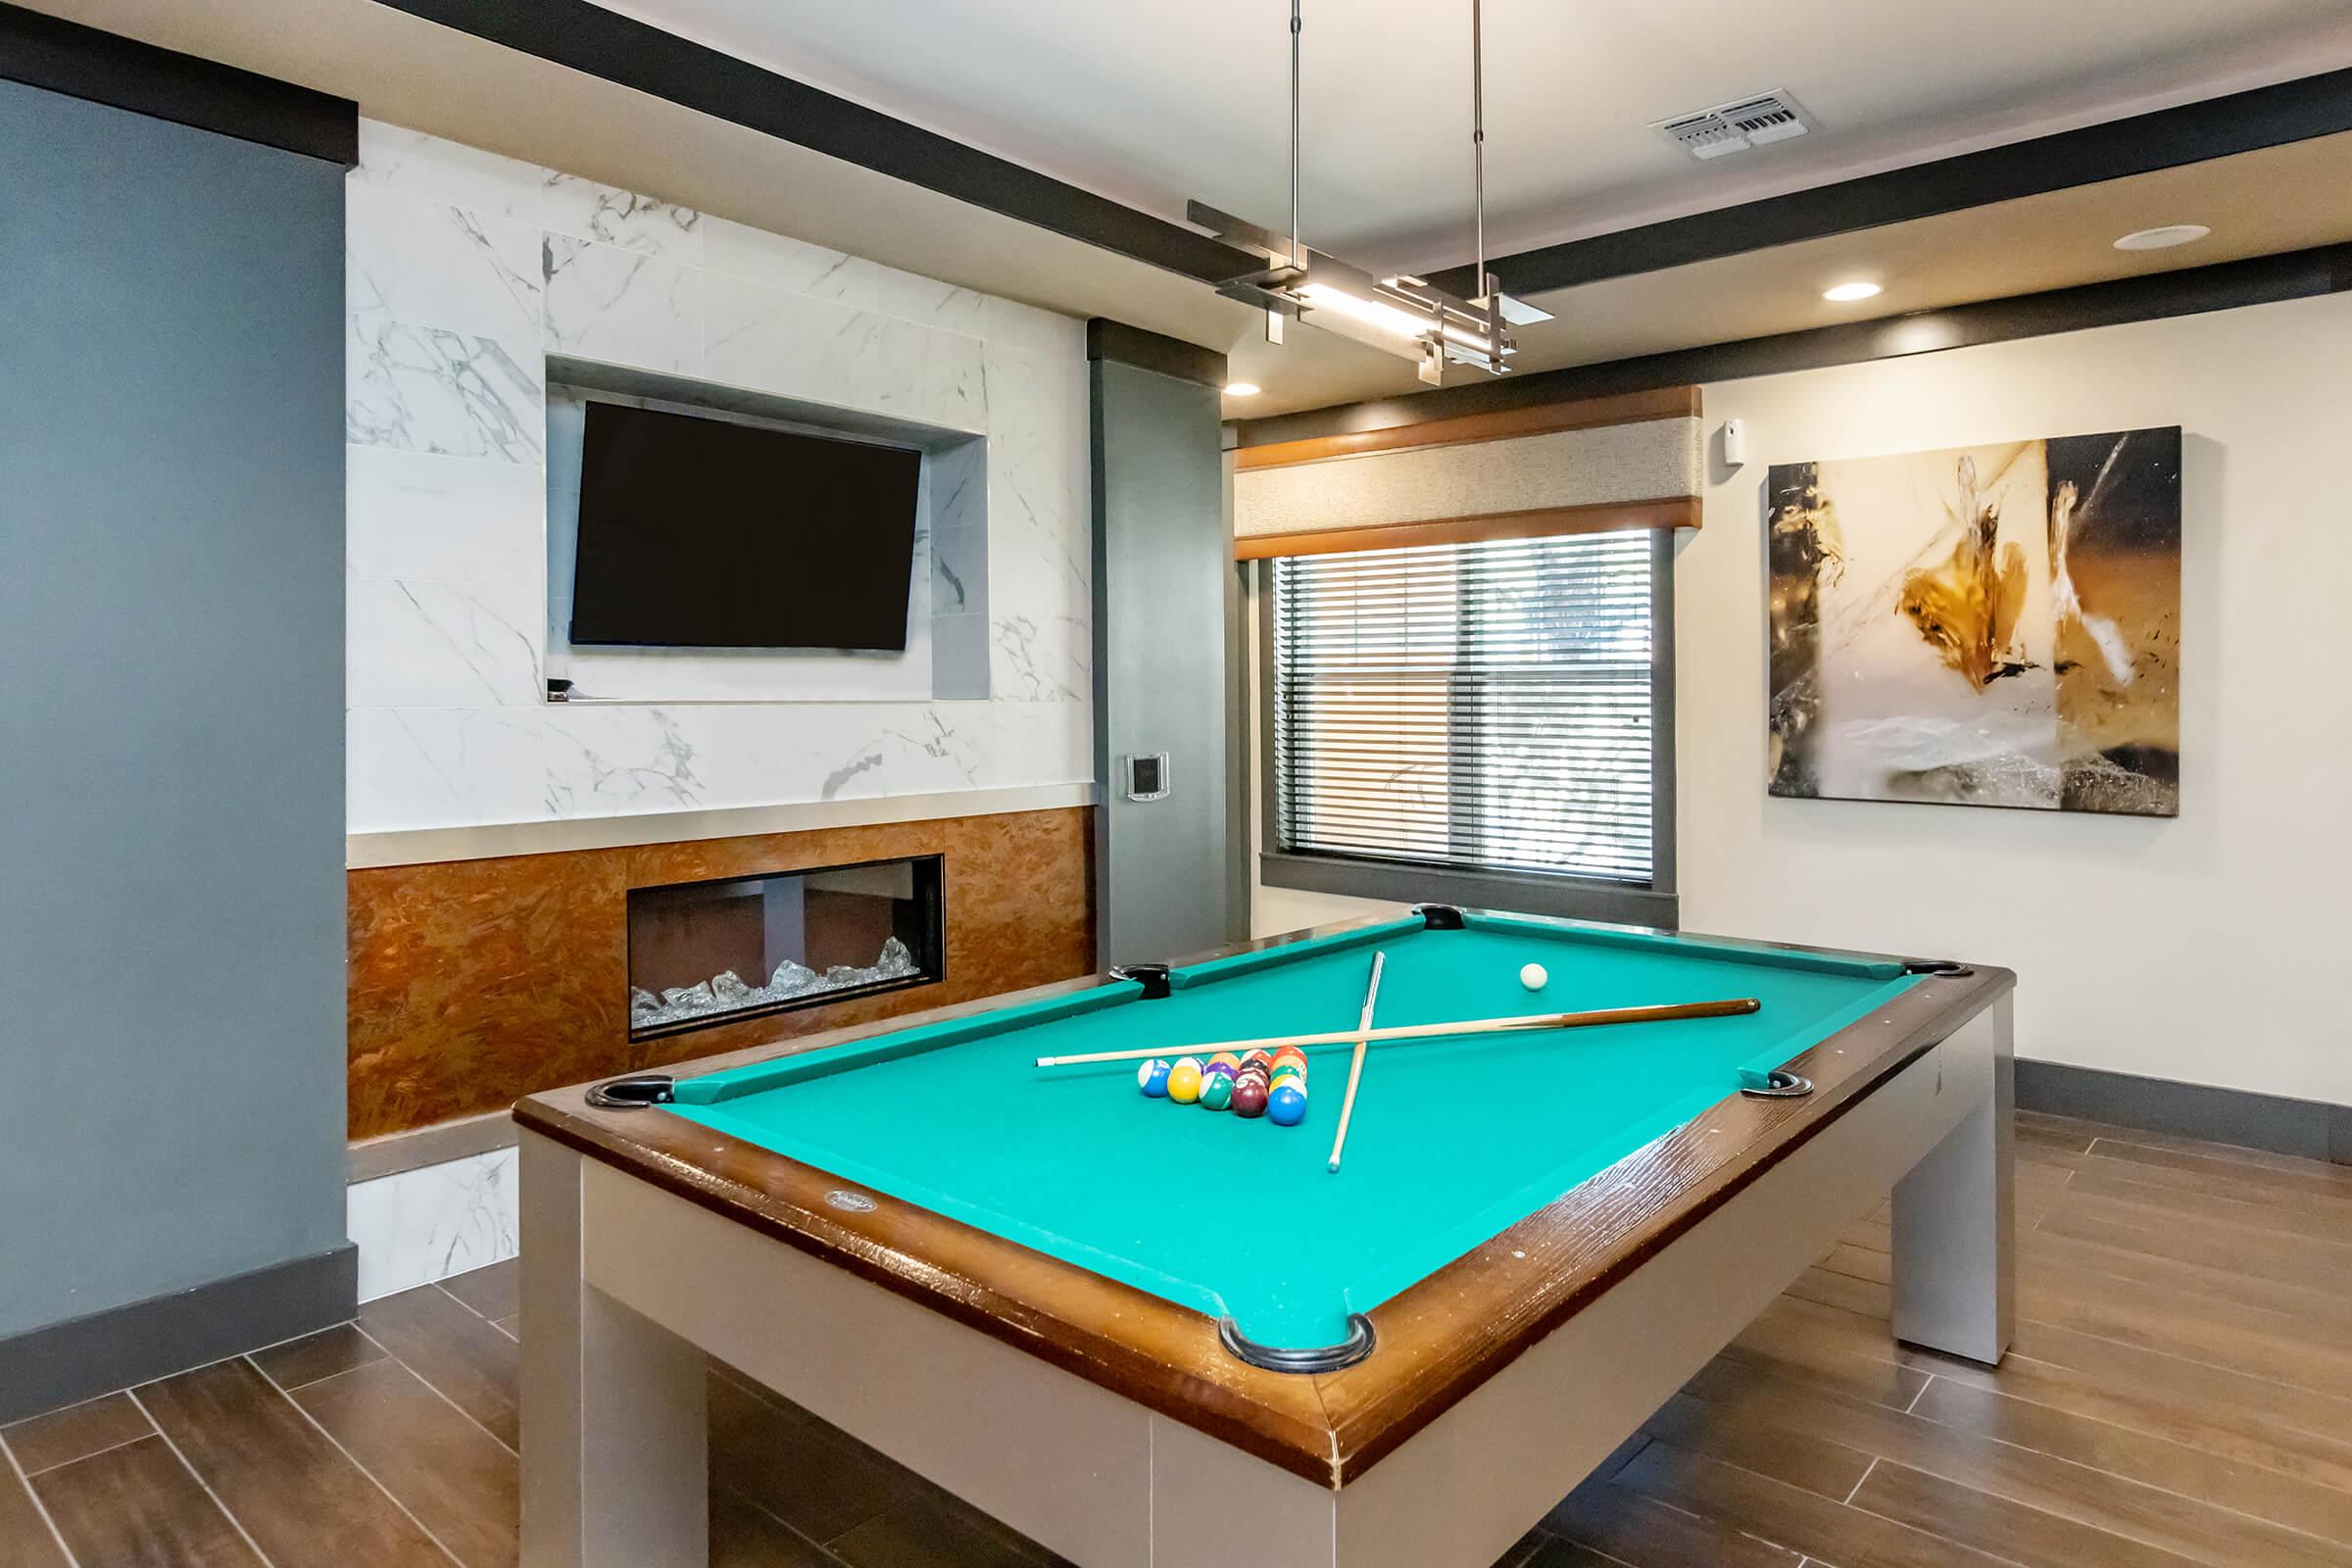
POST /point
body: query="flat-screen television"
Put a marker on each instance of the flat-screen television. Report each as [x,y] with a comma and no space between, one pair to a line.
[705,533]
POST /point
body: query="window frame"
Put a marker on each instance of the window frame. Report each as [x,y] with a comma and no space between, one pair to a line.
[1657,906]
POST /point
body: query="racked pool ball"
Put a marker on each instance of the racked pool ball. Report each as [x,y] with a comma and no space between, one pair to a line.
[1258,1059]
[1216,1090]
[1153,1078]
[1183,1080]
[1249,1096]
[1286,1107]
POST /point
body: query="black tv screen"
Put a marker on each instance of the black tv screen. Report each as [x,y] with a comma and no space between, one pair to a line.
[704,533]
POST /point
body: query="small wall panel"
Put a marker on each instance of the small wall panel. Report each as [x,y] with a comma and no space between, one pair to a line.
[475,982]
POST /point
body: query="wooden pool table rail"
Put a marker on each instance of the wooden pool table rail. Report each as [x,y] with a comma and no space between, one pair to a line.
[1439,1340]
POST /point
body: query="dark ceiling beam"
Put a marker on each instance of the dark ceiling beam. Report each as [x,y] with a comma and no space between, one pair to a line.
[2216,127]
[631,54]
[66,57]
[2188,291]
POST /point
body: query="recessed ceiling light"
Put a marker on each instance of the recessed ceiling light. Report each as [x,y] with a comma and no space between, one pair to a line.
[2163,239]
[1241,389]
[1847,293]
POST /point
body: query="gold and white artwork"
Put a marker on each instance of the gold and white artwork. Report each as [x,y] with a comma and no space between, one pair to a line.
[1990,625]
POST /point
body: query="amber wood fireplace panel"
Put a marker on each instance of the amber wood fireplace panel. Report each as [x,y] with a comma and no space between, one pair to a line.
[476,982]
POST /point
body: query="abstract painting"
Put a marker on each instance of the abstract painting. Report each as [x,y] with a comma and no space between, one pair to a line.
[1991,625]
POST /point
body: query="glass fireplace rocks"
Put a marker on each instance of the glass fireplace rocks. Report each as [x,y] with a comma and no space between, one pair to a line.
[708,952]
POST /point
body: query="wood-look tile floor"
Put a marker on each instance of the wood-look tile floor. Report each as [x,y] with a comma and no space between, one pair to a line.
[2181,1394]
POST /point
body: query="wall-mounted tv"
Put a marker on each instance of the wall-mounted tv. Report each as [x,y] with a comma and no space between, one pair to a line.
[706,533]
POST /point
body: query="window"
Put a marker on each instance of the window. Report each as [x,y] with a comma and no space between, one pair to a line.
[1475,721]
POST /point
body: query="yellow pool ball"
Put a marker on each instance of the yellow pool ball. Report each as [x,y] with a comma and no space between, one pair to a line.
[1183,1080]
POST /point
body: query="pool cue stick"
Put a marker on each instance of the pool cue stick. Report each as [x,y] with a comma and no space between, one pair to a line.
[1663,1014]
[1355,1066]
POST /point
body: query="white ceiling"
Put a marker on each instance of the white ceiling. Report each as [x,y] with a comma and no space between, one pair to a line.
[1154,101]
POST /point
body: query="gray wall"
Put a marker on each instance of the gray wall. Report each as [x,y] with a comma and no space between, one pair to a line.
[171,1012]
[1162,574]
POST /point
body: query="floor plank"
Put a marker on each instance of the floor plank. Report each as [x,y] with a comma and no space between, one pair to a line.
[1860,1263]
[2243,1341]
[2087,1495]
[2057,1132]
[2123,1366]
[745,1535]
[2238,1165]
[2073,1257]
[2162,1232]
[295,1362]
[137,1506]
[25,1540]
[2215,1420]
[1641,1532]
[455,1349]
[926,1529]
[459,1481]
[494,1292]
[1797,1521]
[2190,1470]
[61,1437]
[814,1478]
[1843,1292]
[1999,1525]
[1826,1469]
[2325,1238]
[302,1498]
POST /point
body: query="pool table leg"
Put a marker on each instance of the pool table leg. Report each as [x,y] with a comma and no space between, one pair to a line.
[613,1465]
[1955,1277]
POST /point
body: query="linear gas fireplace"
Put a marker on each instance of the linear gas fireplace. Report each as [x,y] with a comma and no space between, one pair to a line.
[708,952]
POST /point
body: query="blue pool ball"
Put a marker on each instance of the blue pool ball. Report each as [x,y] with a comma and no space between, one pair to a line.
[1153,1078]
[1286,1107]
[1533,977]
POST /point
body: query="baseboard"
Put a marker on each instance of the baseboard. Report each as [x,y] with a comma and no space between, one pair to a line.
[2310,1128]
[372,1159]
[86,1357]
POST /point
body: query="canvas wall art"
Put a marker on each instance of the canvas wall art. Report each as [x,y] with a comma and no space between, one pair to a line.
[1991,625]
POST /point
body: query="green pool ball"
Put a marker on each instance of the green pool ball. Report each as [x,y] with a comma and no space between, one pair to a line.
[1217,1090]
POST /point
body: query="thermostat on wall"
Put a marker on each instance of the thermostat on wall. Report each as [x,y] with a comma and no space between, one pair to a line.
[1146,777]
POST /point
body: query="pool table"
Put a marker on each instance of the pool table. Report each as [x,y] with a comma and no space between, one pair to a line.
[1152,1335]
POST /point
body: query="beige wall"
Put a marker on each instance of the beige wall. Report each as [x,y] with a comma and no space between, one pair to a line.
[2211,949]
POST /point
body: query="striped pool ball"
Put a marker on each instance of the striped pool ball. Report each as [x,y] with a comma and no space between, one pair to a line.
[1153,1078]
[1219,1070]
[1288,1075]
[1290,1054]
[1286,1107]
[1216,1090]
[1258,1059]
[1183,1080]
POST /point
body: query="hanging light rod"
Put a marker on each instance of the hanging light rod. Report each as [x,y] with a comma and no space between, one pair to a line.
[1401,313]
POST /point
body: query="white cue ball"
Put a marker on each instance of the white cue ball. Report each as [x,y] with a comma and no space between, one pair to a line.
[1533,977]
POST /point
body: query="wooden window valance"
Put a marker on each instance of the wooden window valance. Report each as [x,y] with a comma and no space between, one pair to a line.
[1598,464]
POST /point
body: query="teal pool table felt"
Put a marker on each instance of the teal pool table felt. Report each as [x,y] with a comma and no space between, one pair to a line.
[1454,1140]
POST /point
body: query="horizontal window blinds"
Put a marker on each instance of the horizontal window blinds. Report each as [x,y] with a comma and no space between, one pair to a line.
[1482,706]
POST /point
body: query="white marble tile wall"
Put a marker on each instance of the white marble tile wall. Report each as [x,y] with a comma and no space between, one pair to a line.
[421,1225]
[466,271]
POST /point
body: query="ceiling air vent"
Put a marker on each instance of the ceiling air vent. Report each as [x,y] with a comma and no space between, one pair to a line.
[1735,126]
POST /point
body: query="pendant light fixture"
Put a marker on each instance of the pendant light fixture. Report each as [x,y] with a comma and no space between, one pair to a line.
[1401,313]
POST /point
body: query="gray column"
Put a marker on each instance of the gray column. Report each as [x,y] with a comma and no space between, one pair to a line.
[1162,574]
[172,946]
